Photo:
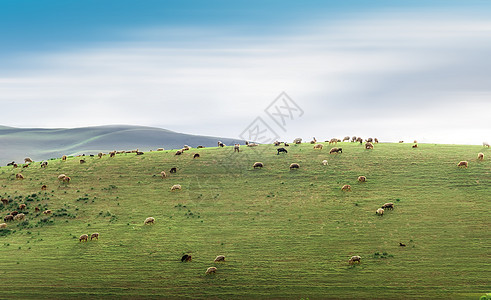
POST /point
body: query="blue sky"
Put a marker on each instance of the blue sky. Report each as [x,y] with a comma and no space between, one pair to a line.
[404,65]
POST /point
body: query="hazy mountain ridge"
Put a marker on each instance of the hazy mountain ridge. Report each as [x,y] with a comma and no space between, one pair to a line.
[42,143]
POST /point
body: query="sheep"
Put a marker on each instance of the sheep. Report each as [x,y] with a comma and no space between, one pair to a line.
[178,152]
[149,220]
[100,154]
[402,245]
[176,187]
[43,187]
[94,236]
[220,258]
[480,156]
[186,148]
[25,166]
[139,153]
[369,145]
[14,213]
[91,155]
[112,154]
[5,201]
[47,212]
[236,148]
[27,160]
[354,259]
[415,142]
[297,141]
[196,155]
[362,178]
[163,174]
[15,166]
[380,212]
[252,144]
[276,143]
[83,237]
[485,144]
[173,170]
[282,150]
[19,217]
[463,164]
[61,176]
[369,140]
[63,158]
[313,141]
[353,139]
[37,209]
[333,141]
[336,150]
[388,205]
[294,166]
[22,207]
[286,144]
[211,270]
[44,164]
[186,258]
[346,138]
[324,162]
[160,149]
[415,146]
[199,147]
[82,161]
[375,140]
[258,165]
[220,144]
[401,142]
[66,179]
[19,176]
[11,163]
[346,188]
[3,225]
[8,218]
[318,146]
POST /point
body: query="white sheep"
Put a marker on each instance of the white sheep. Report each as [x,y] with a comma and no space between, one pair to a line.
[149,220]
[324,162]
[380,212]
[176,187]
[211,270]
[354,259]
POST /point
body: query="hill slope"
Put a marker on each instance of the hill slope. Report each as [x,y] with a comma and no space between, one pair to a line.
[285,233]
[39,144]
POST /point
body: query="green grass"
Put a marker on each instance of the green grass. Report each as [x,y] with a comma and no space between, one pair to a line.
[285,234]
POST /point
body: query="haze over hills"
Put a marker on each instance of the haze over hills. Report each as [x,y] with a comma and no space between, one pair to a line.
[42,144]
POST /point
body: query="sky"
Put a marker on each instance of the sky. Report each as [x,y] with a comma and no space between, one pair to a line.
[396,70]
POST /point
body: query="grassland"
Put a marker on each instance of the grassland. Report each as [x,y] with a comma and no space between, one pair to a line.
[285,234]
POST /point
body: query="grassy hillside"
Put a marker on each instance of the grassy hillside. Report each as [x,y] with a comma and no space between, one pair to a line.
[285,234]
[39,143]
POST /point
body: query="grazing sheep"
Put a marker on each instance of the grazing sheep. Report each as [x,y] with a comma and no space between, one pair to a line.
[186,148]
[297,141]
[27,160]
[346,188]
[463,164]
[14,213]
[324,162]
[401,141]
[186,258]
[318,146]
[369,140]
[163,174]
[47,212]
[294,166]
[100,154]
[354,259]
[3,225]
[211,270]
[415,146]
[252,145]
[369,145]
[162,149]
[139,153]
[220,144]
[199,147]
[336,150]
[43,187]
[402,245]
[485,144]
[196,155]
[178,152]
[375,140]
[176,187]
[94,236]
[61,176]
[83,237]
[8,218]
[353,139]
[346,138]
[333,141]
[480,156]
[63,158]
[19,217]
[15,166]
[258,165]
[313,141]
[220,258]
[44,164]
[66,179]
[112,154]
[286,144]
[236,148]
[149,220]
[19,176]
[25,166]
[173,170]
[22,207]
[282,150]
[82,161]
[388,205]
[362,178]
[380,212]
[277,143]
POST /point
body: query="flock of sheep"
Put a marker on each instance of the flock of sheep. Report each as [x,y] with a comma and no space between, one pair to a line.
[369,144]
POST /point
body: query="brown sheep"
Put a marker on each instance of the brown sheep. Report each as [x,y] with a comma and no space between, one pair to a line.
[5,201]
[27,160]
[196,155]
[14,213]
[211,270]
[318,146]
[369,145]
[47,212]
[36,209]
[277,143]
[43,187]
[333,141]
[480,156]
[375,140]
[82,161]
[369,140]
[94,236]
[200,147]
[415,141]
[83,237]
[353,139]
[178,152]
[380,212]
[415,146]
[19,176]
[22,207]
[112,154]
[388,205]
[346,188]
[8,218]
[139,153]
[66,179]
[149,220]
[163,174]
[63,158]
[346,138]
[463,164]
[19,217]
[220,258]
[336,150]
[186,258]
[44,164]
[176,187]
[362,178]
[294,166]
[14,165]
[25,166]
[258,165]
[401,142]
[100,154]
[3,225]
[160,149]
[354,259]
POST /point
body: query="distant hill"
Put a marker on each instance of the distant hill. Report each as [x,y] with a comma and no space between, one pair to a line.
[41,144]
